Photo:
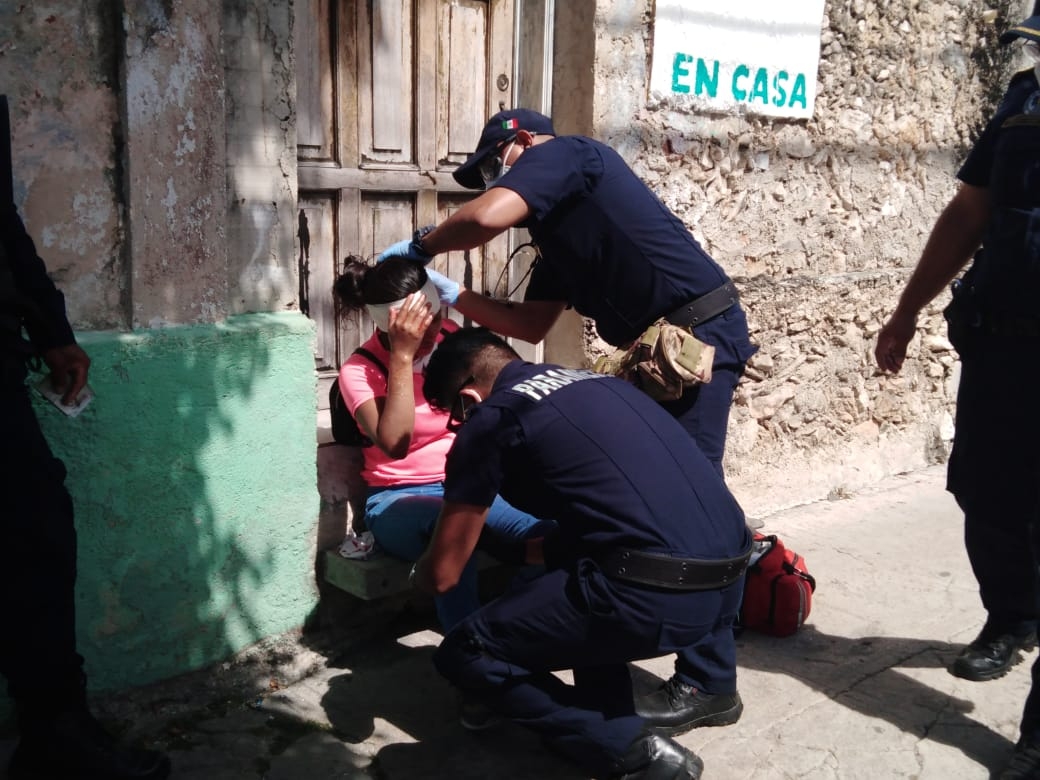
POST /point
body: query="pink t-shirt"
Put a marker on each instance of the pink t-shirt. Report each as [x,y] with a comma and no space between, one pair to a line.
[360,380]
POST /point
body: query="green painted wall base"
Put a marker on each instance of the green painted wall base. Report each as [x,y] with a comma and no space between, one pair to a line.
[194,481]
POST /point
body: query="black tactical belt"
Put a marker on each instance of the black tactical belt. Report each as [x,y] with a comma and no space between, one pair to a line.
[700,310]
[664,571]
[1012,327]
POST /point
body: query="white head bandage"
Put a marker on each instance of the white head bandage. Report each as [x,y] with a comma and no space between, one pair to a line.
[380,312]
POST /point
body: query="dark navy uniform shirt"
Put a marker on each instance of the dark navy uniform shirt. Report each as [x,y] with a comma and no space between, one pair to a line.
[1005,160]
[979,163]
[599,457]
[610,248]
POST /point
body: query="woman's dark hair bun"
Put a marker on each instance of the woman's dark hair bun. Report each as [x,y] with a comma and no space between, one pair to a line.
[360,283]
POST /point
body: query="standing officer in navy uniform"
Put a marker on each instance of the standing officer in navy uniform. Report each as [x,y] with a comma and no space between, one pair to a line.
[59,736]
[994,468]
[612,250]
[648,557]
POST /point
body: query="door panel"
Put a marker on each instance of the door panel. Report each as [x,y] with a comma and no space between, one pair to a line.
[463,82]
[385,67]
[392,97]
[314,94]
[317,234]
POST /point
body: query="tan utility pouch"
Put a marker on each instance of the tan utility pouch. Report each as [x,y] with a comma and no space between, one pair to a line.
[662,362]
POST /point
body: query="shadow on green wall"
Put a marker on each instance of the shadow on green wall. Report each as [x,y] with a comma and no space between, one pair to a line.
[193,480]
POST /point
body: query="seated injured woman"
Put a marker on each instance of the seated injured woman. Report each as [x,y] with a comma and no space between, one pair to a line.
[404,467]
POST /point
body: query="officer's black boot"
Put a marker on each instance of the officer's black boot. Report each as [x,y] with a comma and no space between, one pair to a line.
[72,745]
[676,707]
[992,654]
[653,757]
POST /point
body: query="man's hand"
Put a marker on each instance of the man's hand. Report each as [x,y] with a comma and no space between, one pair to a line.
[69,366]
[447,290]
[454,540]
[409,248]
[893,340]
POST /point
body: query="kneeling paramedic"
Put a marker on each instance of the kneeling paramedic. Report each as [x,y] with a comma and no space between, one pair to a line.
[609,248]
[648,558]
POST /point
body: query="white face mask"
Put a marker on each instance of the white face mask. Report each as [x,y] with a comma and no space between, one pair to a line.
[500,167]
[1032,50]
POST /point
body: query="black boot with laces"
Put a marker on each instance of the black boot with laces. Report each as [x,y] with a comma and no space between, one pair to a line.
[992,654]
[653,757]
[676,707]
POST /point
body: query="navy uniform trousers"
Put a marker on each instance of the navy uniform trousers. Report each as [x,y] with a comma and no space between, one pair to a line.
[37,579]
[710,664]
[504,654]
[703,410]
[994,473]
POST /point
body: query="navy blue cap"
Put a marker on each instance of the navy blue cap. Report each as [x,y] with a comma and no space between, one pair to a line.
[1030,29]
[499,129]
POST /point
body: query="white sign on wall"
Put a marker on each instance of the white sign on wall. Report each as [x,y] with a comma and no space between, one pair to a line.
[752,55]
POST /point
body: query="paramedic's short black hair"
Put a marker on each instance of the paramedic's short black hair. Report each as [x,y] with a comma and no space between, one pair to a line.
[466,353]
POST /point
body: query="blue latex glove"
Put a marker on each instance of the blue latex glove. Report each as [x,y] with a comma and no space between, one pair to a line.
[447,290]
[406,248]
[409,248]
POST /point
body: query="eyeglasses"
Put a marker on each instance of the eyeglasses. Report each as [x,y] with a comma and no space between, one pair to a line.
[461,405]
[1032,50]
[491,166]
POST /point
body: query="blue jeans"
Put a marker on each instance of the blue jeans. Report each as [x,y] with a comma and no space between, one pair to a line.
[402,520]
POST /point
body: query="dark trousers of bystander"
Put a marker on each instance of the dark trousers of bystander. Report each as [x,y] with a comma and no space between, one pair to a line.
[38,646]
[994,472]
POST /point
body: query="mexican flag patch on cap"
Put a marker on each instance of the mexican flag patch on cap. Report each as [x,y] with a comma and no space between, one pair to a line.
[510,124]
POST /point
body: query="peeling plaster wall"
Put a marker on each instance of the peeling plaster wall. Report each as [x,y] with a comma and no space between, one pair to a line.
[58,68]
[155,148]
[820,221]
[261,173]
[176,163]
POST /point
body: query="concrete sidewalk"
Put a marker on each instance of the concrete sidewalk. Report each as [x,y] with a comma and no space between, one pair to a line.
[862,691]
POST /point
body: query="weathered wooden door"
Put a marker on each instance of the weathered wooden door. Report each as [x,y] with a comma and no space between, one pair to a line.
[392,96]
